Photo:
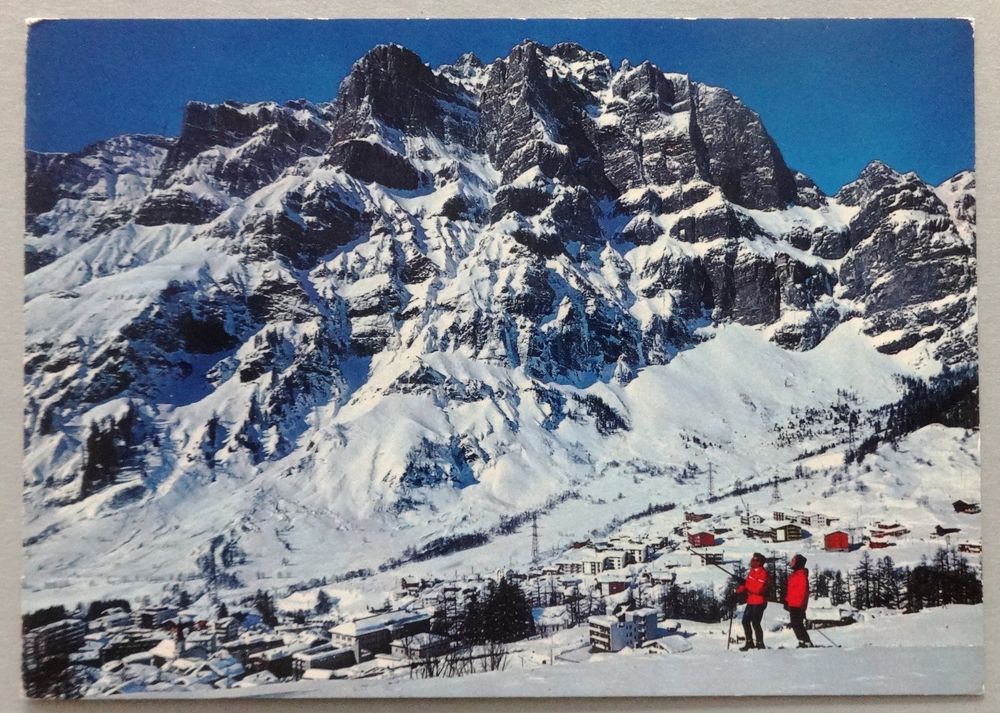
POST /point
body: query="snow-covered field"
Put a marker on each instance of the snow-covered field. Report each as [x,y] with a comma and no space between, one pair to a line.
[937,651]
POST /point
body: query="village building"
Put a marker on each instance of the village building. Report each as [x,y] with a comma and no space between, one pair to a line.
[420,646]
[823,613]
[613,559]
[58,638]
[806,519]
[629,629]
[549,620]
[701,539]
[249,643]
[752,519]
[841,540]
[111,619]
[610,583]
[970,547]
[696,517]
[786,533]
[636,552]
[705,558]
[153,617]
[325,657]
[207,640]
[226,628]
[373,634]
[967,508]
[889,530]
[130,641]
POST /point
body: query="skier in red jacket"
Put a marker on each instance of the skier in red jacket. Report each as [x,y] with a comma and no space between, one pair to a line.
[797,599]
[755,586]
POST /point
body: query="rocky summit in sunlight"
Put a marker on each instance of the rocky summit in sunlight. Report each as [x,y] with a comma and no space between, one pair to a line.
[311,339]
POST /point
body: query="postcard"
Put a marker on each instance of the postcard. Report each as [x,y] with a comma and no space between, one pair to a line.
[399,358]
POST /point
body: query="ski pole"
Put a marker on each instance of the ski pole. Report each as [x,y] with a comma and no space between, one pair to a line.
[834,643]
[729,636]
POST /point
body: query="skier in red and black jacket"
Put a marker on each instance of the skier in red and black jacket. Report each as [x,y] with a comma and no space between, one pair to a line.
[755,586]
[797,599]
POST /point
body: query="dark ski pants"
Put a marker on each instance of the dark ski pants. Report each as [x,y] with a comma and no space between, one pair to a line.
[752,615]
[798,617]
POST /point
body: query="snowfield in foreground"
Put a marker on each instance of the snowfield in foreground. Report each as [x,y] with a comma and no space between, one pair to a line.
[938,651]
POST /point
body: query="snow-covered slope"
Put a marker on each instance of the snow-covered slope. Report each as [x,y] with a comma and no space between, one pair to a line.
[305,339]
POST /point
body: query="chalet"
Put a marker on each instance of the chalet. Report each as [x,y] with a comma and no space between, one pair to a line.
[696,517]
[612,584]
[411,586]
[757,532]
[879,544]
[893,531]
[787,533]
[701,539]
[841,540]
[752,519]
[659,577]
[967,508]
[970,547]
[549,620]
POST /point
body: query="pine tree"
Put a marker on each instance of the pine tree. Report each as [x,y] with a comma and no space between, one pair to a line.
[222,612]
[323,602]
[838,589]
[264,604]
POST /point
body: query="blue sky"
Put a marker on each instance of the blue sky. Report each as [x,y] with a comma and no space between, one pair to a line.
[833,93]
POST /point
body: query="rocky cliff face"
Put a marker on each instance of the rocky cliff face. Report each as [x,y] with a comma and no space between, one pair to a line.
[469,260]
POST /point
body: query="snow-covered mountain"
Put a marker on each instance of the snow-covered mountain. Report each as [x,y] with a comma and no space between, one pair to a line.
[304,339]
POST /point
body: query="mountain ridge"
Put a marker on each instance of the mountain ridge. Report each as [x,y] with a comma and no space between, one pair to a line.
[485,264]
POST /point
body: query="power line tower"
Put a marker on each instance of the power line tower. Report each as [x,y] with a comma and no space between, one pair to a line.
[534,539]
[775,492]
[711,482]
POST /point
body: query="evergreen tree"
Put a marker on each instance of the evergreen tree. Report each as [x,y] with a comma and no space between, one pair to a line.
[506,614]
[264,604]
[838,589]
[323,602]
[222,612]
